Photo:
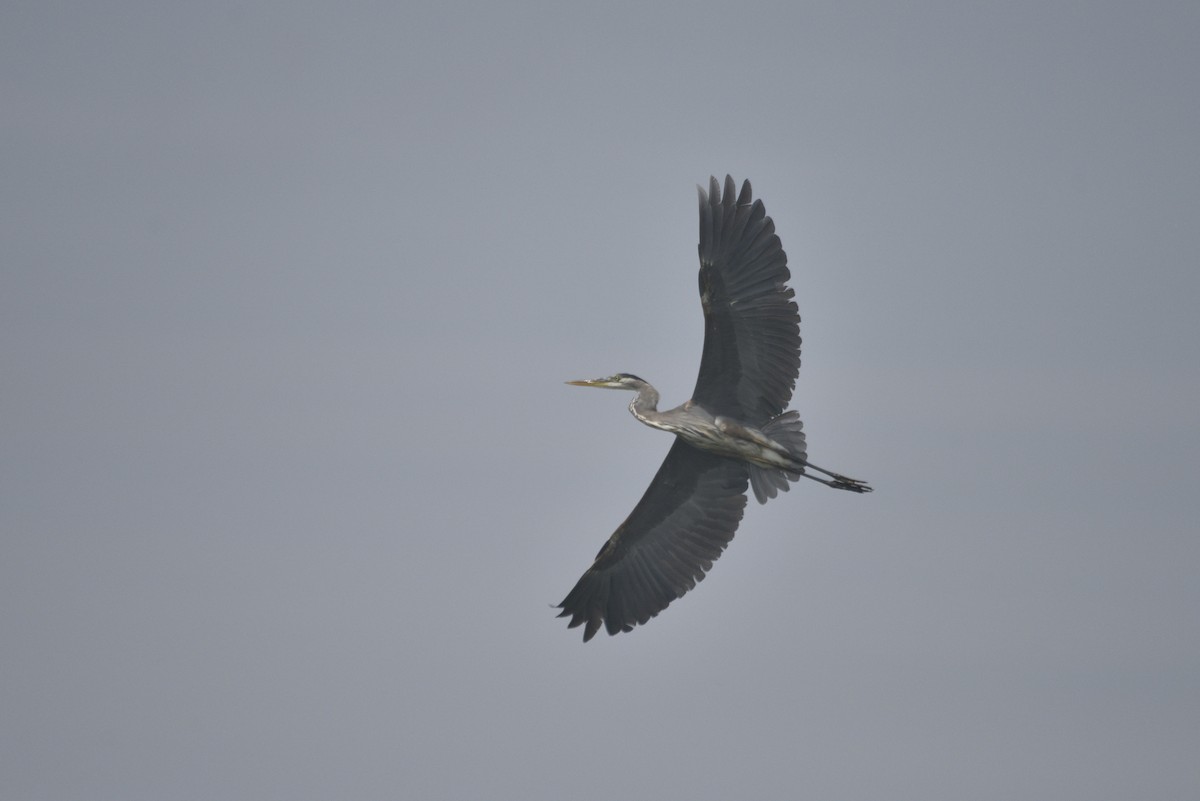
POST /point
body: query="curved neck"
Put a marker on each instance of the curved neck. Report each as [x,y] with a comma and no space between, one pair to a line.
[645,406]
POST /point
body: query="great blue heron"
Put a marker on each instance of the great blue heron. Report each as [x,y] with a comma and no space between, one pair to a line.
[733,432]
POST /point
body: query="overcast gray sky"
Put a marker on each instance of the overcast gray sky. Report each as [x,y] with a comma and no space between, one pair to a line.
[289,479]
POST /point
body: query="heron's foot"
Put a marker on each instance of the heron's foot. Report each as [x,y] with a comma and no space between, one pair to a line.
[851,484]
[836,480]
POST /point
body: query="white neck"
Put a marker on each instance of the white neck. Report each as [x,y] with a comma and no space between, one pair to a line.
[645,406]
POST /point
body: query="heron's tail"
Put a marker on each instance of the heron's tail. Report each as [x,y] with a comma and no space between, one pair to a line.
[788,431]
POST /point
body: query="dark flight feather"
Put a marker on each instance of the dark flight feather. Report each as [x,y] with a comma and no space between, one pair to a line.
[669,541]
[751,355]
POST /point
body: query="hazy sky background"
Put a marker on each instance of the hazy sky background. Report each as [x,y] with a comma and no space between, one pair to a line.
[289,479]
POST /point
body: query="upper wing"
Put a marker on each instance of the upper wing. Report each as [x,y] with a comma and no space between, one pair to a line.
[669,541]
[751,324]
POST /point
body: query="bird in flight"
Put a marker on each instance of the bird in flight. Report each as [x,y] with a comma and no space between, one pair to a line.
[734,433]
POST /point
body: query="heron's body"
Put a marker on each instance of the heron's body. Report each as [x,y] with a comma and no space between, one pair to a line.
[732,434]
[694,425]
[725,436]
[721,435]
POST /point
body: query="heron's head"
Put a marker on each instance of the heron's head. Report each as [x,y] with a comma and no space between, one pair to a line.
[618,381]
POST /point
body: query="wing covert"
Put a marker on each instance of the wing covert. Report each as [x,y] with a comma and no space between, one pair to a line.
[669,541]
[751,355]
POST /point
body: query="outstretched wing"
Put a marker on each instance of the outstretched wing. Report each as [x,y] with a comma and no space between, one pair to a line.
[751,324]
[669,541]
